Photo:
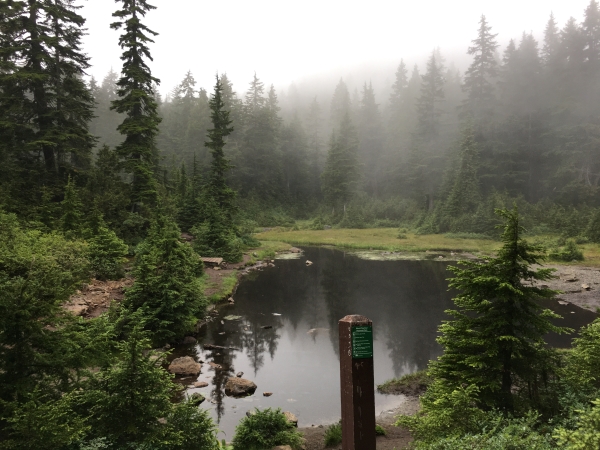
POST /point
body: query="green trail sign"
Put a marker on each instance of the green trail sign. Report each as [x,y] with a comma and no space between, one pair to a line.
[362,342]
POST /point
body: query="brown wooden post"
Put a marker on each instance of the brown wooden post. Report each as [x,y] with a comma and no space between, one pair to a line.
[357,383]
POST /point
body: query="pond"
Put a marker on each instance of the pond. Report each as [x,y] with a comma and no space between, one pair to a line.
[282,331]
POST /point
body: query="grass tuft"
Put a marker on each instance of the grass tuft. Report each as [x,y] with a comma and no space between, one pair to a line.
[413,384]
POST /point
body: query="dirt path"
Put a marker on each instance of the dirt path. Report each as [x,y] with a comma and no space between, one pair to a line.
[396,438]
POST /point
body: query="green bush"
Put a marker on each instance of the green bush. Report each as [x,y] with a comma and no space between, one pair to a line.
[333,435]
[379,430]
[582,366]
[570,252]
[587,433]
[107,254]
[264,430]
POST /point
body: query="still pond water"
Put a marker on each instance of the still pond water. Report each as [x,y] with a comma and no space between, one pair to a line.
[297,359]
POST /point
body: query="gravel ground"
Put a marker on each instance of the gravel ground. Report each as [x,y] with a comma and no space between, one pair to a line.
[395,439]
[579,285]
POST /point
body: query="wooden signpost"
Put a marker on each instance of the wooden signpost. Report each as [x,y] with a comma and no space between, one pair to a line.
[357,383]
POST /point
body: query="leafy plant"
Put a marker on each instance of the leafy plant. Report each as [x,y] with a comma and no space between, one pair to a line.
[333,435]
[264,430]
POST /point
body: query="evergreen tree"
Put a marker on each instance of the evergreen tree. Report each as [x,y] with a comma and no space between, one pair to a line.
[432,94]
[551,56]
[72,214]
[340,103]
[125,399]
[38,274]
[315,145]
[106,121]
[136,100]
[191,211]
[258,163]
[401,110]
[217,187]
[45,105]
[481,74]
[591,34]
[371,139]
[107,253]
[216,236]
[464,196]
[495,340]
[296,161]
[167,290]
[341,174]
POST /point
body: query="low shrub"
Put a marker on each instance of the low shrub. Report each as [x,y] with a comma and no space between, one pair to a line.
[333,435]
[570,252]
[264,430]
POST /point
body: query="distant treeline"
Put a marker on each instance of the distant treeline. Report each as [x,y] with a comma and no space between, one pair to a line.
[529,112]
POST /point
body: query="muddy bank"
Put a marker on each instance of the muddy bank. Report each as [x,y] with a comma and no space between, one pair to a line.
[578,285]
[396,438]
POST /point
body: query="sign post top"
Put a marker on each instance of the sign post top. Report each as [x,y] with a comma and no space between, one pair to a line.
[357,320]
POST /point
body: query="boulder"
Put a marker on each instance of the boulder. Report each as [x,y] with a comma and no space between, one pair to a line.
[239,387]
[267,394]
[291,418]
[196,398]
[214,365]
[185,366]
[188,340]
[200,384]
[240,374]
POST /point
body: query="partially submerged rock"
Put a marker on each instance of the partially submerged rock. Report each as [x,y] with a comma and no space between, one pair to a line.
[239,387]
[189,340]
[291,418]
[200,384]
[196,398]
[185,366]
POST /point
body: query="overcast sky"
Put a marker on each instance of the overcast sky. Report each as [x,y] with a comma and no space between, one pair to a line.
[285,41]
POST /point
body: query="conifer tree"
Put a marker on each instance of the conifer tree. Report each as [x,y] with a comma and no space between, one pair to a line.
[217,188]
[495,341]
[72,211]
[125,400]
[45,106]
[401,108]
[591,33]
[167,290]
[432,94]
[481,74]
[465,195]
[341,175]
[315,144]
[371,139]
[216,236]
[107,253]
[551,55]
[136,100]
[340,103]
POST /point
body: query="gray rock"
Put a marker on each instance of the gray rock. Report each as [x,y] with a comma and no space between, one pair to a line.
[197,398]
[291,418]
[239,387]
[185,366]
[188,340]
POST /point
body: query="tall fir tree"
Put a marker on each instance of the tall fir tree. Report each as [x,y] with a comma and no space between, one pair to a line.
[465,194]
[432,95]
[45,104]
[371,140]
[495,339]
[342,173]
[137,101]
[481,75]
[340,103]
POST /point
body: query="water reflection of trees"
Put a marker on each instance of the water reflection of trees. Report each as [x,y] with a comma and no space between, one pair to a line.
[405,300]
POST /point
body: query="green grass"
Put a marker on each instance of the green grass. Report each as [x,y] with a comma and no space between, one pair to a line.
[413,384]
[386,239]
[378,239]
[267,250]
[226,287]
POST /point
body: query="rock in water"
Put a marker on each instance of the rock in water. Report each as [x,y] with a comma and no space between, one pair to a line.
[291,418]
[200,384]
[309,263]
[240,374]
[188,340]
[197,399]
[267,394]
[185,366]
[239,387]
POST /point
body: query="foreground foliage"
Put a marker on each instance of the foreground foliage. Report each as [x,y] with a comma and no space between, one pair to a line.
[266,429]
